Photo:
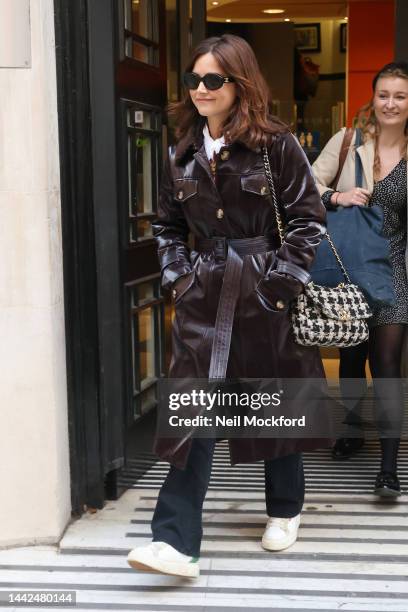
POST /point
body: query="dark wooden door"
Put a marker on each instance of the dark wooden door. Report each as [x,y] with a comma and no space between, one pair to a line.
[129,96]
[111,98]
[141,96]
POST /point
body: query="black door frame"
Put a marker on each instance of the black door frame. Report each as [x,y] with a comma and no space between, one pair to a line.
[102,58]
[85,55]
[401,34]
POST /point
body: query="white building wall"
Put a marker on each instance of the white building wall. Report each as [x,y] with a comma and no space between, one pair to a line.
[34,458]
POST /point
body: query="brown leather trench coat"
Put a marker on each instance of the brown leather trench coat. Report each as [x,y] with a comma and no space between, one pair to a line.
[237,205]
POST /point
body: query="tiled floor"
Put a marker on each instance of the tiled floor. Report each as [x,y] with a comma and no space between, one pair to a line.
[352,551]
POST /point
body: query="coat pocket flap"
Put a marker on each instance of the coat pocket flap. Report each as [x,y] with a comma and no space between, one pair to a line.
[255,183]
[185,189]
[343,304]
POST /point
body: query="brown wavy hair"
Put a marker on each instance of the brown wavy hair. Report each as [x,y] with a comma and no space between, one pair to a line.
[366,119]
[250,120]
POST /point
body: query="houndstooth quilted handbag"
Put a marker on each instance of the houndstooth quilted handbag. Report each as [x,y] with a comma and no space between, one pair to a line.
[325,316]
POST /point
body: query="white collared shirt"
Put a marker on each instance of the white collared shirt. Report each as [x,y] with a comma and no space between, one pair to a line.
[212,146]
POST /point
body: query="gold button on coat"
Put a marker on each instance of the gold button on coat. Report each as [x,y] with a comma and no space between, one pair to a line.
[280,304]
[225,155]
[174,293]
[220,213]
[180,195]
[263,190]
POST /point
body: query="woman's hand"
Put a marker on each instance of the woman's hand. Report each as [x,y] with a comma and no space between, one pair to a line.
[354,197]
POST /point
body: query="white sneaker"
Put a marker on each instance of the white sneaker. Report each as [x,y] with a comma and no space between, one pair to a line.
[163,558]
[280,533]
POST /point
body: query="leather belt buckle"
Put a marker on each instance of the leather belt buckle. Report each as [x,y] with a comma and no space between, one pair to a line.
[220,248]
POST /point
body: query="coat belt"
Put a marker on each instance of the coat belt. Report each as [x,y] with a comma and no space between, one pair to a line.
[232,250]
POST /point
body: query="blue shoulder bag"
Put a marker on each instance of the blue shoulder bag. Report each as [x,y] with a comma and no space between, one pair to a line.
[357,232]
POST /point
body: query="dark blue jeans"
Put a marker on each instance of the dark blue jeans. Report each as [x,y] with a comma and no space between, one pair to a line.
[177,518]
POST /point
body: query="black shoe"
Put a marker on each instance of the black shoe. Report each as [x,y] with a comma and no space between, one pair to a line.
[345,448]
[387,485]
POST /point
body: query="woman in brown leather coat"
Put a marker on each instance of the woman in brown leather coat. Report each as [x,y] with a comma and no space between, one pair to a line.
[232,292]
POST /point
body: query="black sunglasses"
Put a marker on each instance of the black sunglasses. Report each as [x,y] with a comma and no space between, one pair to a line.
[211,80]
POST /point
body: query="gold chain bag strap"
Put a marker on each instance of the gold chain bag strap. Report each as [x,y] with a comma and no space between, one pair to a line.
[325,316]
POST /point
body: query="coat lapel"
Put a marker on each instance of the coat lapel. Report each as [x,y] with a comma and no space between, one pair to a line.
[366,152]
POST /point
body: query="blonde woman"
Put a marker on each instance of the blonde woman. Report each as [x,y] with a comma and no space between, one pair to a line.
[383,154]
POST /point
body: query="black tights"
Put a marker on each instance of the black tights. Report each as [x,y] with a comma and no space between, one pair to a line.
[384,350]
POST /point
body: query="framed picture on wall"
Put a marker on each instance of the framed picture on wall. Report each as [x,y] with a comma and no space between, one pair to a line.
[343,37]
[307,37]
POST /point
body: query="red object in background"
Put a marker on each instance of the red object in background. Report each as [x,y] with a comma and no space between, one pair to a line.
[371,36]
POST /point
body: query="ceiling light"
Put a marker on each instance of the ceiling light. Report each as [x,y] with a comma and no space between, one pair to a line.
[214,3]
[287,19]
[273,11]
[228,20]
[346,18]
